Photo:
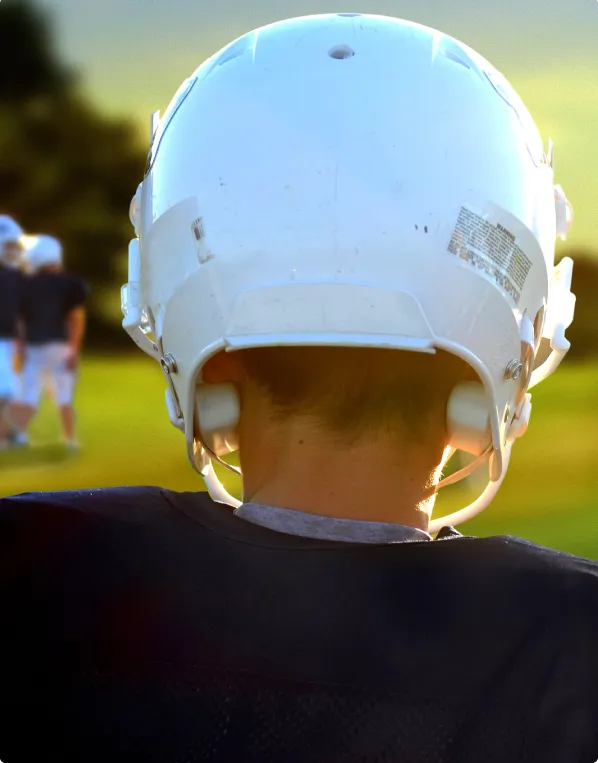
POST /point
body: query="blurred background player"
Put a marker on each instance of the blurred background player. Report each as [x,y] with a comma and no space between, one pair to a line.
[53,316]
[11,249]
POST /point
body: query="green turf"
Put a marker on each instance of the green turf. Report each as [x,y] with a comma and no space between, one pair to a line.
[548,495]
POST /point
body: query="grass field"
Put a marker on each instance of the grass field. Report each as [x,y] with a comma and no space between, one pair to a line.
[549,495]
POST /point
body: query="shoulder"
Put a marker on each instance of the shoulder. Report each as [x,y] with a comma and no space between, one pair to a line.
[532,555]
[121,504]
[61,517]
[537,571]
[88,531]
[75,282]
[75,288]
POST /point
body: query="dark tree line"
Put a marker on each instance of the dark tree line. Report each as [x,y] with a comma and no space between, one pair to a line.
[583,333]
[68,170]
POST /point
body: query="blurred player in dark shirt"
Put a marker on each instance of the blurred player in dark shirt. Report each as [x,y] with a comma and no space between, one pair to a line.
[52,311]
[10,291]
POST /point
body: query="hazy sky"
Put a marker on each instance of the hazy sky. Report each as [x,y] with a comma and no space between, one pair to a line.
[134,54]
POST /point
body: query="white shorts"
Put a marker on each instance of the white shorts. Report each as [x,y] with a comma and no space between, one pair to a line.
[47,363]
[8,378]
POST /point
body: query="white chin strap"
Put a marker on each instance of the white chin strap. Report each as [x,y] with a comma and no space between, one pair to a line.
[482,502]
[216,489]
[219,494]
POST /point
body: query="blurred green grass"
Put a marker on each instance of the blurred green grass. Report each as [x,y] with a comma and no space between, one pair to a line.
[549,495]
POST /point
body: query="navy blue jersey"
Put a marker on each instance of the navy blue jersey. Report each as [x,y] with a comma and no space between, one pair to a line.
[138,624]
[47,300]
[10,295]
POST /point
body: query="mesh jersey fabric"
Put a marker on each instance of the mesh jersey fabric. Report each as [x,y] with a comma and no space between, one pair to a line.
[139,624]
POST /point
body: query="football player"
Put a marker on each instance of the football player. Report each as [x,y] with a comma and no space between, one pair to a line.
[11,248]
[53,315]
[344,264]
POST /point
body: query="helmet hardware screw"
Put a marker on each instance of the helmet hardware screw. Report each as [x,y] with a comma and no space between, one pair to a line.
[513,370]
[168,364]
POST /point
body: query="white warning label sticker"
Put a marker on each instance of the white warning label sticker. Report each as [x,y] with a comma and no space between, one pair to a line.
[492,249]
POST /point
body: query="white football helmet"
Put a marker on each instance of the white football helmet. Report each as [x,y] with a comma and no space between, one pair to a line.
[350,180]
[11,235]
[42,250]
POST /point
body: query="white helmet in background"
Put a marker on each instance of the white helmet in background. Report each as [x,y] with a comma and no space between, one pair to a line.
[11,235]
[358,181]
[41,251]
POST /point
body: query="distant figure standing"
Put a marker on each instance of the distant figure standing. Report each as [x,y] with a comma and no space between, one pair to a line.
[10,288]
[53,315]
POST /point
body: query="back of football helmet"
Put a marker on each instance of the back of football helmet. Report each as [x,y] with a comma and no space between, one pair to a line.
[350,180]
[42,251]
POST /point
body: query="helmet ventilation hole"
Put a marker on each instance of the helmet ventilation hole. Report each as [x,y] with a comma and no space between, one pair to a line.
[340,52]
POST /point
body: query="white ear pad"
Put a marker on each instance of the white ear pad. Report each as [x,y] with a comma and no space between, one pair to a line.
[468,418]
[217,412]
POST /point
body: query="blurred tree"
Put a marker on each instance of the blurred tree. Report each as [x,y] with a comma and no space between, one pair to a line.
[66,169]
[30,66]
[583,333]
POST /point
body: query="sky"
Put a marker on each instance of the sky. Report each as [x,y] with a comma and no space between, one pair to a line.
[133,54]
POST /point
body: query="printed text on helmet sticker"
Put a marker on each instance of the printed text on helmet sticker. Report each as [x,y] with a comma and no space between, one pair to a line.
[492,249]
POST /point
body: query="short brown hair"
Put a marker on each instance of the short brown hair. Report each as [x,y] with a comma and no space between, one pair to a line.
[352,391]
